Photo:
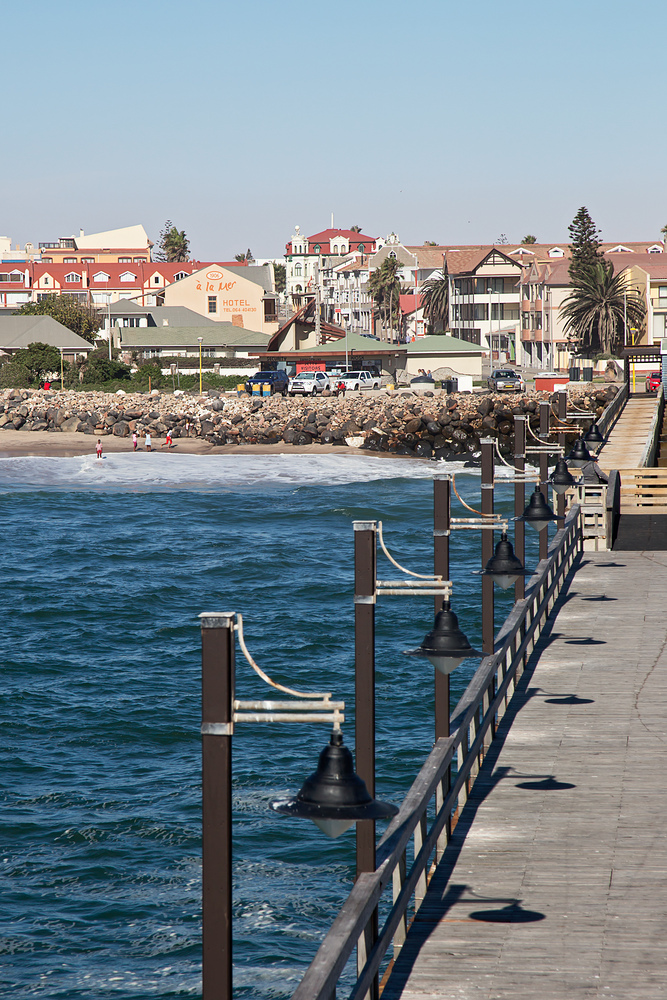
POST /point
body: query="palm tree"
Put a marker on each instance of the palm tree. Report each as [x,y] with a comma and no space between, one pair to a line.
[596,309]
[435,300]
[176,245]
[385,288]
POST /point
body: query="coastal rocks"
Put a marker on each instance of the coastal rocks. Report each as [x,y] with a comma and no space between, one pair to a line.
[442,426]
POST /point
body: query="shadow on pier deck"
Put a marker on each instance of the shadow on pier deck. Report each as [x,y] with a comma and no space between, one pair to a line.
[557,889]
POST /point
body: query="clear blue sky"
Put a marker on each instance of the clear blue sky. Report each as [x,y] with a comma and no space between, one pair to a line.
[440,120]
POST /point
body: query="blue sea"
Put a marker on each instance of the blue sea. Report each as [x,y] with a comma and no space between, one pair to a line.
[105,567]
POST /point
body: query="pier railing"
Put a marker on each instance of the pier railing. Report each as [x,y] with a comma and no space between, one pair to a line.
[647,461]
[473,727]
[613,410]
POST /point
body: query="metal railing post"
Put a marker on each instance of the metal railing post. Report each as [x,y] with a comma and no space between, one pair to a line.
[217,647]
[520,500]
[442,486]
[365,585]
[562,416]
[545,412]
[487,446]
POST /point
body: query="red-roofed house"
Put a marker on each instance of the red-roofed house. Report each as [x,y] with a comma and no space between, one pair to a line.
[306,256]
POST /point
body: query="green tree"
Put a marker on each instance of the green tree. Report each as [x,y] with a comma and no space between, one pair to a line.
[385,288]
[430,243]
[594,310]
[355,229]
[14,376]
[529,239]
[79,318]
[280,276]
[173,245]
[663,232]
[245,258]
[98,367]
[38,360]
[585,244]
[435,301]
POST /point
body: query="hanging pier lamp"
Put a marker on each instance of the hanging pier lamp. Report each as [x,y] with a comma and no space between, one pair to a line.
[538,513]
[580,455]
[334,796]
[561,479]
[446,646]
[594,438]
[504,567]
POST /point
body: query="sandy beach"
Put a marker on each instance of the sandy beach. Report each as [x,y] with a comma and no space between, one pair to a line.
[57,444]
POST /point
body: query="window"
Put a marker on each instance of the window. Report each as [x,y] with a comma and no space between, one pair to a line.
[72,276]
[156,279]
[538,320]
[180,275]
[297,269]
[213,303]
[138,260]
[46,281]
[69,260]
[14,276]
[124,260]
[392,254]
[662,291]
[360,246]
[128,276]
[87,260]
[316,248]
[525,321]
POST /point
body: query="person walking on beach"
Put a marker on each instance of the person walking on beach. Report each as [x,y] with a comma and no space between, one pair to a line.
[149,446]
[134,440]
[99,448]
[168,441]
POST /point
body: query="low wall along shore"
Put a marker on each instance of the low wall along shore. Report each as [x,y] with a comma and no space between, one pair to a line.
[403,422]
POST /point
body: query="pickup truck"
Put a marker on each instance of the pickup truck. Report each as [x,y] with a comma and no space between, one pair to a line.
[277,380]
[360,380]
[308,384]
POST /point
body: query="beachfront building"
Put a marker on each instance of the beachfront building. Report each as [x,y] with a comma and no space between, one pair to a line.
[239,294]
[484,299]
[129,245]
[306,257]
[18,332]
[181,344]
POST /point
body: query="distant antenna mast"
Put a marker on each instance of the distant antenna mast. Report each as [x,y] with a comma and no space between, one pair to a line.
[332,225]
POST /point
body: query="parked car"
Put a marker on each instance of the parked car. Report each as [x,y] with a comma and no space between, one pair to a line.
[277,380]
[360,380]
[653,381]
[308,384]
[506,378]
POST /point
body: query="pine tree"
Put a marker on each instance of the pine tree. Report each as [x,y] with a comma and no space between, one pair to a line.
[584,237]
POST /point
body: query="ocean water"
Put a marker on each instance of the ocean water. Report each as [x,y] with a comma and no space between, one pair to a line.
[105,567]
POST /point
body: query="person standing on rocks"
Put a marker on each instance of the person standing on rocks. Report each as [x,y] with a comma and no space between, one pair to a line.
[149,446]
[99,447]
[134,440]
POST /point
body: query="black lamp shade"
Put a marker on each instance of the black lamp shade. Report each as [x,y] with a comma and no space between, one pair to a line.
[504,566]
[446,646]
[580,455]
[561,478]
[334,796]
[538,513]
[594,438]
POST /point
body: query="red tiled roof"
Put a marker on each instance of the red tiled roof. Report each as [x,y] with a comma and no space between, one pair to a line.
[409,303]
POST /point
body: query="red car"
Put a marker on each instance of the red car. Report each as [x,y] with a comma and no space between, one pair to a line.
[653,381]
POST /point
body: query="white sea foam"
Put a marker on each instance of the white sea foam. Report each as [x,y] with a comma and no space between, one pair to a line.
[163,471]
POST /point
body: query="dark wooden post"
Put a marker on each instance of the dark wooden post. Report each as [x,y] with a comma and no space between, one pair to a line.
[520,500]
[545,412]
[487,446]
[442,486]
[217,660]
[561,408]
[365,578]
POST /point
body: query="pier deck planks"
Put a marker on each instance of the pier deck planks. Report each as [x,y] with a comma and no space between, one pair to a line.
[591,859]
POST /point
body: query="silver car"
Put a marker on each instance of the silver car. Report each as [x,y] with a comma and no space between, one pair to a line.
[308,384]
[506,379]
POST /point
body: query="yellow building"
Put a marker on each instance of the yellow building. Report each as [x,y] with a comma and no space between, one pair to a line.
[241,295]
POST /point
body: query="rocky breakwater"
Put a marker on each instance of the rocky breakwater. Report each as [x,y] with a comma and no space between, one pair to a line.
[426,425]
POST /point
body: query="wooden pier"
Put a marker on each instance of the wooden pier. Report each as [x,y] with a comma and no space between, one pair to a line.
[554,885]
